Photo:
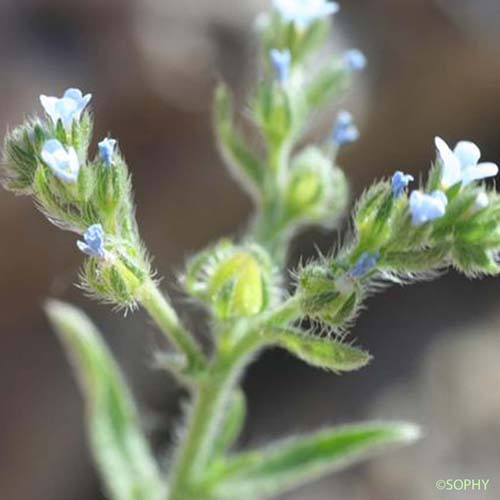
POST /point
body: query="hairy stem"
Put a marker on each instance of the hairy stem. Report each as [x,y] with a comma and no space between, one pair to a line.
[210,402]
[159,308]
[235,348]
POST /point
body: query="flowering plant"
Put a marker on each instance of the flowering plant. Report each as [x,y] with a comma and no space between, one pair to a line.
[397,236]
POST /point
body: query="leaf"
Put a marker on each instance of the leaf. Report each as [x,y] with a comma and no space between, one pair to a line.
[120,450]
[331,80]
[327,353]
[232,424]
[285,465]
[238,156]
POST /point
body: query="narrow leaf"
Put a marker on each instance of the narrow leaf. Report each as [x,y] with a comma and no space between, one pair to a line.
[233,422]
[120,450]
[241,161]
[331,80]
[327,353]
[285,465]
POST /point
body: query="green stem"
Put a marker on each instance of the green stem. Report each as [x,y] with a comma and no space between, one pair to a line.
[210,402]
[159,308]
[235,348]
[270,228]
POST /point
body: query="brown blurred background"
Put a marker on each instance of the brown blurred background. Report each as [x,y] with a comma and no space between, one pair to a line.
[434,68]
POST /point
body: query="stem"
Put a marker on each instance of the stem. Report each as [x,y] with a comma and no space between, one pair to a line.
[270,228]
[235,348]
[159,308]
[210,402]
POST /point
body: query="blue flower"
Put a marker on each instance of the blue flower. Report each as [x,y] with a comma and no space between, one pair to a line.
[344,131]
[461,164]
[62,161]
[482,201]
[304,12]
[107,150]
[427,207]
[67,108]
[366,262]
[354,60]
[93,244]
[400,182]
[281,60]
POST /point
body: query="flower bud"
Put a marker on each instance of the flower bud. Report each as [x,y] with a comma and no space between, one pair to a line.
[317,192]
[325,296]
[21,156]
[235,281]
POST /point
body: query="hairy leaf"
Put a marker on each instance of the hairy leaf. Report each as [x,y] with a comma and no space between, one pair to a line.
[118,445]
[284,465]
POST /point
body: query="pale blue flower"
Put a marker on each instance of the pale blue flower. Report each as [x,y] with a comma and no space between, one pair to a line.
[304,12]
[427,207]
[344,131]
[281,60]
[62,161]
[107,150]
[366,262]
[354,60]
[461,164]
[93,244]
[482,201]
[67,108]
[400,182]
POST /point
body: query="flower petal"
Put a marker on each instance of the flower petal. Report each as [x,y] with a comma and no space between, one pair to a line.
[467,153]
[451,167]
[479,172]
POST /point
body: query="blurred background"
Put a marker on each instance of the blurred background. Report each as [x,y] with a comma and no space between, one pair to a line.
[434,68]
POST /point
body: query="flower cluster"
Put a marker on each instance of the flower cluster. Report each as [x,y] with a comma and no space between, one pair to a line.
[49,160]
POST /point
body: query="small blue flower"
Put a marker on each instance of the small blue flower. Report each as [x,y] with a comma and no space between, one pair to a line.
[281,60]
[400,182]
[482,201]
[366,262]
[461,164]
[107,150]
[427,207]
[354,60]
[67,108]
[344,131]
[94,242]
[304,12]
[62,161]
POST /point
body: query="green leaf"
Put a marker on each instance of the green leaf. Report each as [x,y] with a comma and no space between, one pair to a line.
[327,353]
[238,156]
[232,424]
[121,452]
[285,465]
[330,81]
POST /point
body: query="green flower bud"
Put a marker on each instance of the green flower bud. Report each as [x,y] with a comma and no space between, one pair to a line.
[116,278]
[332,297]
[374,216]
[235,281]
[317,192]
[21,156]
[273,112]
